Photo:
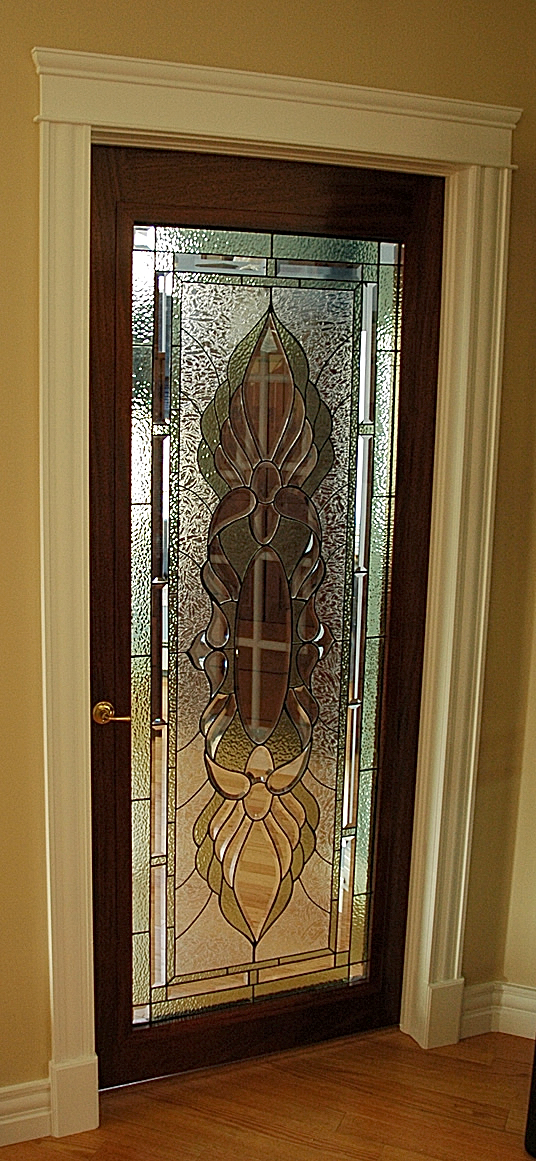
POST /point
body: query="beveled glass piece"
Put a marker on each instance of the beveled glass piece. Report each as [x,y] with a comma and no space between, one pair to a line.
[141,830]
[389,253]
[304,268]
[346,883]
[143,238]
[367,352]
[158,921]
[268,392]
[220,264]
[263,642]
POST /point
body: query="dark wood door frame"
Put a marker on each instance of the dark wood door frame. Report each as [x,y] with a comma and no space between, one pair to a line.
[252,194]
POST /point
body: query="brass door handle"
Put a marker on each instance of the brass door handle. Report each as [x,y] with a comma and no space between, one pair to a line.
[103,712]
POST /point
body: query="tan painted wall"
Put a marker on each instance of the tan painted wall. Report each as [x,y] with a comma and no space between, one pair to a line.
[520,952]
[481,51]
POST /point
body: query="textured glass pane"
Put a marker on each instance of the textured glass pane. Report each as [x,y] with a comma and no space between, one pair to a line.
[324,249]
[285,971]
[251,540]
[387,317]
[215,318]
[188,241]
[142,296]
[316,879]
[371,689]
[140,968]
[217,984]
[325,320]
[335,373]
[141,579]
[310,980]
[141,726]
[362,850]
[379,540]
[141,423]
[191,1004]
[359,927]
[385,369]
[164,262]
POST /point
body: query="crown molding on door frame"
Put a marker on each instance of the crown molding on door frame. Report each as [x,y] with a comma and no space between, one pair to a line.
[87,97]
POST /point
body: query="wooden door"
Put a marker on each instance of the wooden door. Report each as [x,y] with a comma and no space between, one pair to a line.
[281,200]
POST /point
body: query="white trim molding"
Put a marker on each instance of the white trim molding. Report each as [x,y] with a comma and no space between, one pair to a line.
[24,1112]
[499,1007]
[87,97]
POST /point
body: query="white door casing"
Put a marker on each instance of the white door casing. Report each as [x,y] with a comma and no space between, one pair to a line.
[89,98]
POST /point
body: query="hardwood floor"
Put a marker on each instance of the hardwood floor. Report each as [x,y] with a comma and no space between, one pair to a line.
[374,1097]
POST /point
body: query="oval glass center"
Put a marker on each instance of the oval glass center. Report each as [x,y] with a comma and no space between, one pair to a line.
[263,644]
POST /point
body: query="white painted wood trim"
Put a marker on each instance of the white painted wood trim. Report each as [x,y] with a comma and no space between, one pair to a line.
[64,327]
[499,1007]
[24,1112]
[222,105]
[85,97]
[474,284]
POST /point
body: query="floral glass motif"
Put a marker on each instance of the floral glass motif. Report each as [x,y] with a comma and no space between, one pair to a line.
[263,451]
[264,638]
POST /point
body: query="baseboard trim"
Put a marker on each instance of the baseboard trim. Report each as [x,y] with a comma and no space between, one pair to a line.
[74,1096]
[25,1109]
[499,1007]
[25,1112]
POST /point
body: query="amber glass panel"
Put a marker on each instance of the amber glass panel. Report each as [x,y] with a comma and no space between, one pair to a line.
[263,445]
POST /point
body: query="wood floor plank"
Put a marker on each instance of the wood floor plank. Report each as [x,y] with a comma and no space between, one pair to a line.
[391,1153]
[449,1140]
[374,1097]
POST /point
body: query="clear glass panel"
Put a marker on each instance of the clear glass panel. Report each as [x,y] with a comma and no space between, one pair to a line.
[263,443]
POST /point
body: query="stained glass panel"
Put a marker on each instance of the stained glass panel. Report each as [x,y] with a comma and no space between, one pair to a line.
[263,443]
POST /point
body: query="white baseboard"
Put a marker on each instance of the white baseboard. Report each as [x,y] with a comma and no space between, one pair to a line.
[74,1096]
[437,1022]
[24,1112]
[67,1103]
[498,1007]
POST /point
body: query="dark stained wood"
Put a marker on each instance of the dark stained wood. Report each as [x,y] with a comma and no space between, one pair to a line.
[232,192]
[376,1097]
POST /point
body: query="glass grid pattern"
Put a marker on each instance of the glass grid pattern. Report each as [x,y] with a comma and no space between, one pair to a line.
[201,299]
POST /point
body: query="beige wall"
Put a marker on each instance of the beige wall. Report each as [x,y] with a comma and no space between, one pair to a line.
[481,51]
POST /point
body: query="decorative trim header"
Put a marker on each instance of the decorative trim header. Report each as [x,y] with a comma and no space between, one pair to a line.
[87,88]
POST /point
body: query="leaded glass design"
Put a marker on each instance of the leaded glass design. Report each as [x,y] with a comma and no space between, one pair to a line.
[263,462]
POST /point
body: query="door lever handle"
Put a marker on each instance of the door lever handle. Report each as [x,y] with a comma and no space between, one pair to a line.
[104,712]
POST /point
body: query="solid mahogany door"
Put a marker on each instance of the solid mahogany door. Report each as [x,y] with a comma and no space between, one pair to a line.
[280,461]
